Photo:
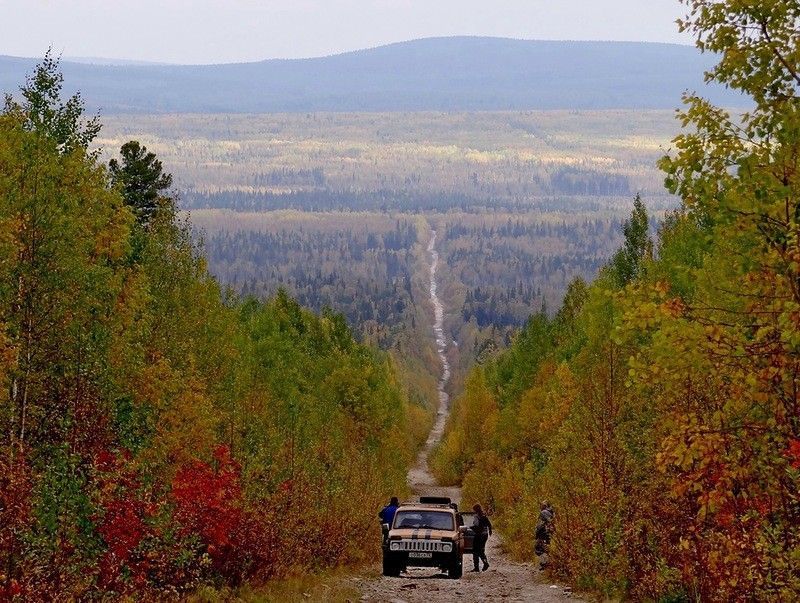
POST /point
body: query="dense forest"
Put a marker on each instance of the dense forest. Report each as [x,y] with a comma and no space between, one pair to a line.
[173,418]
[406,161]
[158,433]
[509,268]
[579,197]
[658,410]
[364,274]
[372,267]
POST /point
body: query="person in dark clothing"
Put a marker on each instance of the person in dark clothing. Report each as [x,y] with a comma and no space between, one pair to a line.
[482,528]
[544,529]
[386,515]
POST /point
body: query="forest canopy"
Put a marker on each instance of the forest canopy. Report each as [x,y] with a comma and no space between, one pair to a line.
[157,433]
[658,410]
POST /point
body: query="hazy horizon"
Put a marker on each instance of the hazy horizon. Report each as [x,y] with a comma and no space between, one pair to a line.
[105,60]
[213,31]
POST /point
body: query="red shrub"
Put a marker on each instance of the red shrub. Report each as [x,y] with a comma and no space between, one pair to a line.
[793,453]
[208,504]
[14,518]
[121,522]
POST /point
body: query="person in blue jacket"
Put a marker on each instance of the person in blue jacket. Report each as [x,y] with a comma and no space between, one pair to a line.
[386,514]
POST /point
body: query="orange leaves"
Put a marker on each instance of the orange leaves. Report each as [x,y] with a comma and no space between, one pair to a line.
[187,417]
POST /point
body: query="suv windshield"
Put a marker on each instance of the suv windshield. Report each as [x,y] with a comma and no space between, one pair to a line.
[432,520]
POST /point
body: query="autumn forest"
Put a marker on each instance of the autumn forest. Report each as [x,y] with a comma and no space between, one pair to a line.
[215,328]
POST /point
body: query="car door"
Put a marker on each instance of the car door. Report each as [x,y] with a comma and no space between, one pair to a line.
[465,522]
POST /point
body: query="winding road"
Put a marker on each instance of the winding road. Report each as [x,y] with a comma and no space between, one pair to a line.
[505,580]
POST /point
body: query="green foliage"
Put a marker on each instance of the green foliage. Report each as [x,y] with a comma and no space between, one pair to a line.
[637,245]
[663,423]
[157,433]
[43,110]
[757,43]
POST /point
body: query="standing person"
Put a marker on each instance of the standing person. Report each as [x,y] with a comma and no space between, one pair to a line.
[386,515]
[544,529]
[482,528]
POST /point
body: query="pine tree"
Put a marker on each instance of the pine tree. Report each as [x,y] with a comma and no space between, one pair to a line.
[142,181]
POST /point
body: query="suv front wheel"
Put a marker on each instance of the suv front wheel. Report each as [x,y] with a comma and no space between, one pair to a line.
[390,569]
[456,569]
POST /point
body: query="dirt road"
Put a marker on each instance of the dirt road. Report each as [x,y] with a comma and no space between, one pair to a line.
[505,580]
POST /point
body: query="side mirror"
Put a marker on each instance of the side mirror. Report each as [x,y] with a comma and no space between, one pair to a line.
[385,527]
[463,529]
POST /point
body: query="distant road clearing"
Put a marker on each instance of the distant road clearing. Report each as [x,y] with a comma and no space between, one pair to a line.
[505,580]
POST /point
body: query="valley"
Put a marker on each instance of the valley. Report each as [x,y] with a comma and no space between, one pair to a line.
[405,161]
[336,207]
[251,303]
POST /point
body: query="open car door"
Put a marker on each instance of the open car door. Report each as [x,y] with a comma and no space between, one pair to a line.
[465,525]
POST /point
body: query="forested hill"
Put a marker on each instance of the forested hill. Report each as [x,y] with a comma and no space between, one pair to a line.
[458,73]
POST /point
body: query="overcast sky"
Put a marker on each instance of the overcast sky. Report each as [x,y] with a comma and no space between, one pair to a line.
[220,31]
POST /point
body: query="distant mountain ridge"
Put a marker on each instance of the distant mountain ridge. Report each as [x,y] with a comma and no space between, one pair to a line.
[431,74]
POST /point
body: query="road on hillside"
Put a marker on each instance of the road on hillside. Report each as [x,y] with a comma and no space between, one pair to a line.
[505,580]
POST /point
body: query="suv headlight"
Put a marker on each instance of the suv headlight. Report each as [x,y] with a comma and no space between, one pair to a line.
[447,547]
[395,546]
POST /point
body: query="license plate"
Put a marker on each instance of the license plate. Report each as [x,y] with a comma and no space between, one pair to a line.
[416,555]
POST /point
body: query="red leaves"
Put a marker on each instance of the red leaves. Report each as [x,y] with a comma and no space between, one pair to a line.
[14,517]
[209,505]
[122,527]
[208,501]
[121,522]
[793,453]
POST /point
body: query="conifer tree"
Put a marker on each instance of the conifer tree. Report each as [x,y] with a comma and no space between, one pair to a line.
[637,245]
[142,181]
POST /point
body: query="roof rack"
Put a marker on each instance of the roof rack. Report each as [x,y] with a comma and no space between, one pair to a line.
[435,500]
[443,502]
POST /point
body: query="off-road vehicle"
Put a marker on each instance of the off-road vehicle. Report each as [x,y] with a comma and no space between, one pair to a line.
[428,533]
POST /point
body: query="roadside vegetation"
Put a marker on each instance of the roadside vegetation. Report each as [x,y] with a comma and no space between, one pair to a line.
[157,433]
[658,410]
